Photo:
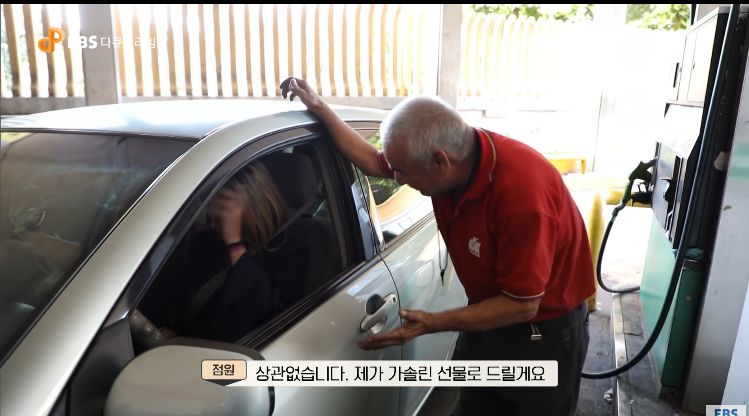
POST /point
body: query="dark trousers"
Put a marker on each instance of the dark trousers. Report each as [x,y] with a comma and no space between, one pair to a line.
[564,339]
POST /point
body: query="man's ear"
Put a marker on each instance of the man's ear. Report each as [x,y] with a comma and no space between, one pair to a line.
[441,160]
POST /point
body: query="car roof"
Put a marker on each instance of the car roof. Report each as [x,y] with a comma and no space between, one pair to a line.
[174,118]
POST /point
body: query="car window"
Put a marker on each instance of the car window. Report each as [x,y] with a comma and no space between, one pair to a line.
[399,207]
[290,253]
[60,193]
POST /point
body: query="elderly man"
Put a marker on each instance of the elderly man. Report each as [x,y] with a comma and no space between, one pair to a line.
[513,231]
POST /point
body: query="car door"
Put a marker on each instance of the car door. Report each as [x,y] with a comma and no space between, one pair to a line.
[325,321]
[415,253]
[332,315]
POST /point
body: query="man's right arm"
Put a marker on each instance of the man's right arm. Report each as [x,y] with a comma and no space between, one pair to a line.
[353,146]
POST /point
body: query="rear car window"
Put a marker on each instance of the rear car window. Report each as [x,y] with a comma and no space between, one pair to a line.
[60,194]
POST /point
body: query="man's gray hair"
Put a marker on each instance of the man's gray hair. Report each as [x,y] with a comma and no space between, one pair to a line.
[425,124]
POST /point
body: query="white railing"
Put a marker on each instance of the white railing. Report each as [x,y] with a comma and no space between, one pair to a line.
[544,80]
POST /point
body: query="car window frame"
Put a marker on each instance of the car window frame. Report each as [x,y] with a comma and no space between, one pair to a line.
[338,179]
[341,206]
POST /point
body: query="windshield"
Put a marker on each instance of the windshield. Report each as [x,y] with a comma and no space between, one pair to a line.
[60,193]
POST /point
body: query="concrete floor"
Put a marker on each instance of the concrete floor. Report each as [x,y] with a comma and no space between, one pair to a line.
[638,386]
[622,265]
[624,257]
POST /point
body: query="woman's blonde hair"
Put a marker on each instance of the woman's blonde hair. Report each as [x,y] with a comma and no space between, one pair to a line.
[262,205]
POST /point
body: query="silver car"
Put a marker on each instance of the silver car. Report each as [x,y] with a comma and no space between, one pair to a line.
[96,206]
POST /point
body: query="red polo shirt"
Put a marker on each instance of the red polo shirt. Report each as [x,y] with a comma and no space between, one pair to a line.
[516,230]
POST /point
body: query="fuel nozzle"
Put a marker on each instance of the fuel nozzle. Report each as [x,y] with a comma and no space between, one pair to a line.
[645,195]
[641,172]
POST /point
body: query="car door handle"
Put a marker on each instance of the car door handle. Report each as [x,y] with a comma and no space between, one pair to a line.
[376,320]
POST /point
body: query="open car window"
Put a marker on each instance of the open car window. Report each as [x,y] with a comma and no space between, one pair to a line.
[60,194]
[200,293]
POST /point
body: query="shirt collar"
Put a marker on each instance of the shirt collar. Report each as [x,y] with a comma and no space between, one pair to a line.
[485,174]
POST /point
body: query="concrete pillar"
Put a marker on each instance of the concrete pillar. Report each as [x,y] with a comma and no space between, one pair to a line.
[100,75]
[449,54]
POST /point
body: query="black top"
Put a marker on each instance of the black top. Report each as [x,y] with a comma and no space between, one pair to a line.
[244,300]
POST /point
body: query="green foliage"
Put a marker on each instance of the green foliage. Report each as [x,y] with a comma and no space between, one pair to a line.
[563,12]
[530,10]
[636,12]
[653,16]
[659,16]
[576,12]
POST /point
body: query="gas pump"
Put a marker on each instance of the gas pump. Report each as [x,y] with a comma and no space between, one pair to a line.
[687,189]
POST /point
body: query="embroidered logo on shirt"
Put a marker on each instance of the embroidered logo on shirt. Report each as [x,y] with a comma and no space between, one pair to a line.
[474,245]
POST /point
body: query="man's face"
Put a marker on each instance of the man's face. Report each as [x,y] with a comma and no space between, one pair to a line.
[427,181]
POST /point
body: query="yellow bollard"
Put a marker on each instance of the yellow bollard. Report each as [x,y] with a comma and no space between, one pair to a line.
[595,236]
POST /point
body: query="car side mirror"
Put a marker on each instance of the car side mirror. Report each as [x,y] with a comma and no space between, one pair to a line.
[167,380]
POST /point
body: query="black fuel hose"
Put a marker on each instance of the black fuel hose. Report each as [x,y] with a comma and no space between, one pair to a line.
[640,172]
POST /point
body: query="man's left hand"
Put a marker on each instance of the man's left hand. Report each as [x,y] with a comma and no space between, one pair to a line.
[415,323]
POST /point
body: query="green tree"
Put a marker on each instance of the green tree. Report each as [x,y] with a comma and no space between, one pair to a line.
[659,16]
[653,16]
[530,10]
[568,12]
[575,12]
[635,12]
